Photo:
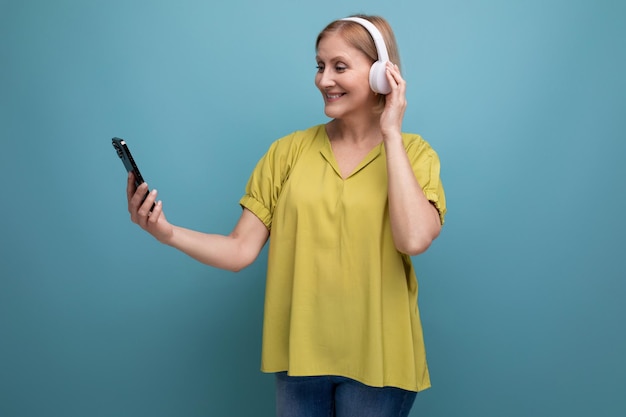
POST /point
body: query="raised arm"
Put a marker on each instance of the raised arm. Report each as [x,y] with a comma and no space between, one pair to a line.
[415,222]
[232,252]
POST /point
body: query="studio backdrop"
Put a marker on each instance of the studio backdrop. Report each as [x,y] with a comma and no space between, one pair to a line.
[521,296]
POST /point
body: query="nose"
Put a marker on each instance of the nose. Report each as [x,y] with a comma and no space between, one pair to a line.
[325,79]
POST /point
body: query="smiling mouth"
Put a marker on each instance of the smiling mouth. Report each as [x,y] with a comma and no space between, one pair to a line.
[334,96]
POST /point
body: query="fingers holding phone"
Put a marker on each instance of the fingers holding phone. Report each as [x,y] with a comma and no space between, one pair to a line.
[135,179]
[146,211]
[136,195]
[142,204]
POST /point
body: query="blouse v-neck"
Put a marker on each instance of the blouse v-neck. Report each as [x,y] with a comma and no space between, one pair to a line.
[329,155]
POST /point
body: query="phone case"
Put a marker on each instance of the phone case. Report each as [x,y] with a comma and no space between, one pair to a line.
[129,162]
[127,158]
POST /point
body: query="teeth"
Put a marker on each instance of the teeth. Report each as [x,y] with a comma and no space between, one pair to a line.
[333,95]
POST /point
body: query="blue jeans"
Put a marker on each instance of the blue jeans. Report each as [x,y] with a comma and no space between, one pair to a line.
[334,396]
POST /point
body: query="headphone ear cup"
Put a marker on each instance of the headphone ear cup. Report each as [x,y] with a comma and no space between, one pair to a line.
[378,78]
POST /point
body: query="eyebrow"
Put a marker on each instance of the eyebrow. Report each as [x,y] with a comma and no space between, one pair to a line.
[333,59]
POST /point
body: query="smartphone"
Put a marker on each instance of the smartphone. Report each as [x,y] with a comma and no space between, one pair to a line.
[129,162]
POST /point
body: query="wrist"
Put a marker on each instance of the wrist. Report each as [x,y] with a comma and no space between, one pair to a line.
[393,141]
[392,137]
[168,237]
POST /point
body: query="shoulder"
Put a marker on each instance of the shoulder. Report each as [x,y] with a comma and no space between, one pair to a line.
[301,137]
[294,143]
[416,145]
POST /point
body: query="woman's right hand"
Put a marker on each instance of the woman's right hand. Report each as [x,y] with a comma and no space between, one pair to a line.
[232,252]
[154,222]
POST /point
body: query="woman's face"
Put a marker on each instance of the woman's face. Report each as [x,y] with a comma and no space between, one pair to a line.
[343,78]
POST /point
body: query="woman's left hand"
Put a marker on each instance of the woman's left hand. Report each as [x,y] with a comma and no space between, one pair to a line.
[395,103]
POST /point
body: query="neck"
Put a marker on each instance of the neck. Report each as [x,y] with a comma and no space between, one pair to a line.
[364,130]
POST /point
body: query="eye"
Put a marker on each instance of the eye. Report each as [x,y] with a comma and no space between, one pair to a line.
[338,67]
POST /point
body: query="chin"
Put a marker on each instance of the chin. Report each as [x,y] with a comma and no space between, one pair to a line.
[332,113]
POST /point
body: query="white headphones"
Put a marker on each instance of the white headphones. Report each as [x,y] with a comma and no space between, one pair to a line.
[378,72]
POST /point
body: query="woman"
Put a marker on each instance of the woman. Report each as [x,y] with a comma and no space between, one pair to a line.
[346,205]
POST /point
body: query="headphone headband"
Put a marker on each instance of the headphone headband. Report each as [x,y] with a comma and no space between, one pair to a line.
[381,48]
[378,76]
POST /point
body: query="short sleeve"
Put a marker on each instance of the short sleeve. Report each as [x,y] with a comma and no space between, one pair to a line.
[265,183]
[426,166]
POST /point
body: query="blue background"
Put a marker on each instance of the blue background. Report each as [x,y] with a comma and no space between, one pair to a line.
[521,296]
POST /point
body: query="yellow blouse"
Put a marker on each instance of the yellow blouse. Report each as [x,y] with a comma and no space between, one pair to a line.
[340,299]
